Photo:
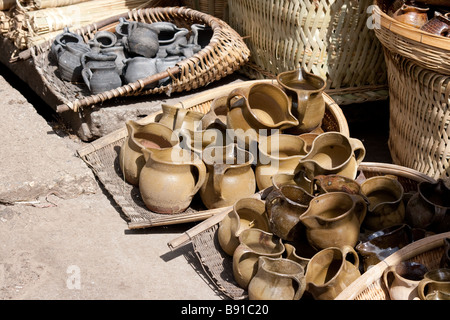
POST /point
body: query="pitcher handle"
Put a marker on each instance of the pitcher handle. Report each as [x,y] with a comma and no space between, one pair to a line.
[243,92]
[87,74]
[386,273]
[360,206]
[421,288]
[219,171]
[346,249]
[201,174]
[357,145]
[179,118]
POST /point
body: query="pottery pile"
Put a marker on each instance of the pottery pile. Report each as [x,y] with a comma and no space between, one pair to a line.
[135,50]
[432,16]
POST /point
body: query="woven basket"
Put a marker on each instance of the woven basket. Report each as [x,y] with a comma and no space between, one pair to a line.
[429,51]
[419,135]
[427,251]
[101,156]
[326,37]
[224,55]
[218,265]
[216,8]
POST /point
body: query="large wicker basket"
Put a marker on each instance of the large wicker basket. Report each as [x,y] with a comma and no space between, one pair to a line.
[225,54]
[218,265]
[102,156]
[216,8]
[329,38]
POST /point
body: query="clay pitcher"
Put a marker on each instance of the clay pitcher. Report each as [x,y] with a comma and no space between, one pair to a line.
[246,213]
[253,243]
[334,182]
[334,219]
[306,90]
[138,68]
[278,153]
[435,285]
[412,15]
[101,78]
[142,39]
[284,207]
[61,40]
[69,61]
[170,179]
[438,25]
[330,271]
[260,109]
[179,118]
[277,279]
[402,280]
[429,208]
[140,136]
[230,176]
[385,197]
[169,36]
[298,179]
[333,153]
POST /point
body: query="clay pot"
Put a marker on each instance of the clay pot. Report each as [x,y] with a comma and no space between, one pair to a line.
[412,15]
[246,213]
[278,153]
[284,207]
[138,68]
[435,285]
[120,56]
[178,118]
[142,39]
[403,279]
[330,271]
[105,39]
[170,179]
[122,28]
[385,197]
[230,176]
[61,40]
[217,114]
[200,35]
[69,61]
[140,136]
[333,153]
[277,279]
[253,243]
[438,25]
[306,90]
[298,179]
[101,78]
[334,219]
[169,36]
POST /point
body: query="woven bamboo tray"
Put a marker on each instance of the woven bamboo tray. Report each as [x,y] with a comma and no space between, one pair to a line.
[225,54]
[216,8]
[101,156]
[328,38]
[427,251]
[419,136]
[429,51]
[218,265]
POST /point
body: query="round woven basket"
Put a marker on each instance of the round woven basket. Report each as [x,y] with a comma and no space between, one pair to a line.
[429,51]
[326,37]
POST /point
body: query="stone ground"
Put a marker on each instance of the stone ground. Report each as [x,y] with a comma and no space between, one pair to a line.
[63,237]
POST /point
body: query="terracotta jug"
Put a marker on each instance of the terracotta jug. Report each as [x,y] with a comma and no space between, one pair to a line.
[217,114]
[385,197]
[299,252]
[253,243]
[435,285]
[298,179]
[277,279]
[334,182]
[230,176]
[246,213]
[284,207]
[306,90]
[438,25]
[140,136]
[381,244]
[278,153]
[263,108]
[402,280]
[429,208]
[170,179]
[333,153]
[330,271]
[179,118]
[414,16]
[334,219]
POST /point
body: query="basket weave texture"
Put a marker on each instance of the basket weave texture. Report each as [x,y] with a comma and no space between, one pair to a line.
[216,8]
[224,55]
[329,38]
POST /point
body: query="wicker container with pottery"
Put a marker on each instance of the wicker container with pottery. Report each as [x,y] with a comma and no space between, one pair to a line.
[419,85]
[328,38]
[102,156]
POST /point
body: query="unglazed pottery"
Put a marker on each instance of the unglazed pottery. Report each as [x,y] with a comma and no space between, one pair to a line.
[140,136]
[179,118]
[262,109]
[69,61]
[138,68]
[217,114]
[333,153]
[298,179]
[386,207]
[382,243]
[277,279]
[334,182]
[105,39]
[429,208]
[253,243]
[284,207]
[246,213]
[330,271]
[230,176]
[278,153]
[142,39]
[306,90]
[200,34]
[61,40]
[169,36]
[334,219]
[436,282]
[438,25]
[170,179]
[414,16]
[121,55]
[402,280]
[101,78]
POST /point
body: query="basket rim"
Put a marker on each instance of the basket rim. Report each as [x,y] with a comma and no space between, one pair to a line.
[409,32]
